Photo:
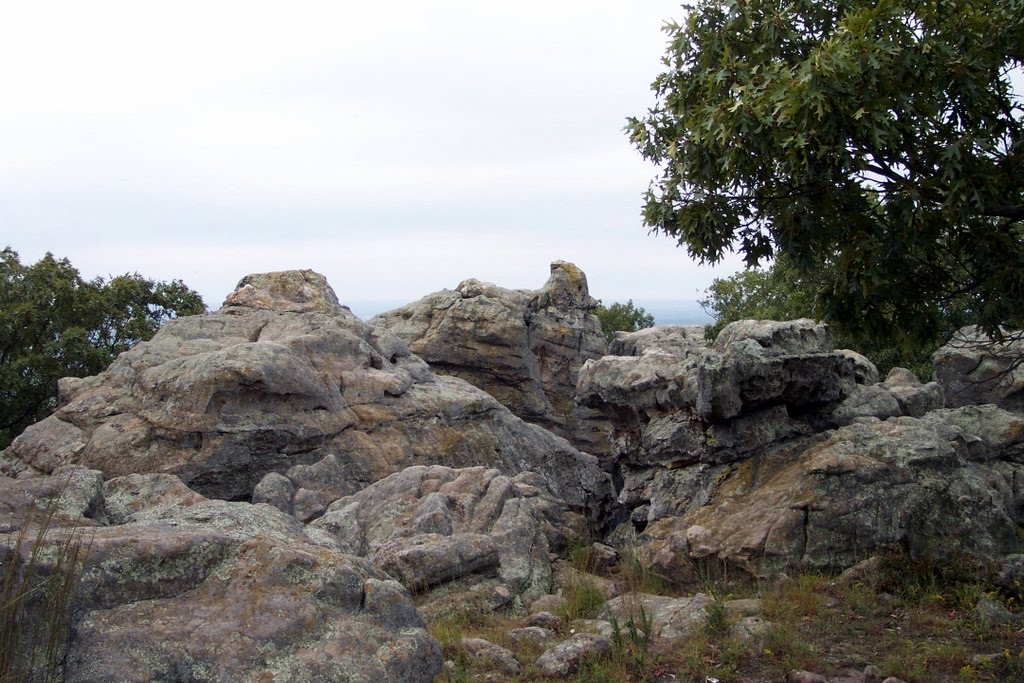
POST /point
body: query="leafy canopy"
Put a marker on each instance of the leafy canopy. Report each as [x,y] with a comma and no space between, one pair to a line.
[622,318]
[878,142]
[54,324]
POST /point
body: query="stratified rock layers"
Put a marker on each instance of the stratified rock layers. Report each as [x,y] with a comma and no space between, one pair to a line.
[738,451]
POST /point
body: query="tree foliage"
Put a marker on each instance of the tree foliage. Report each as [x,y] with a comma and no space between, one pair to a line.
[876,142]
[54,324]
[622,318]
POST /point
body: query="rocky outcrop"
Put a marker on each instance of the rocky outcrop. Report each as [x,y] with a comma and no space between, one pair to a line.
[679,402]
[938,487]
[284,379]
[174,586]
[973,369]
[731,452]
[522,347]
[429,526]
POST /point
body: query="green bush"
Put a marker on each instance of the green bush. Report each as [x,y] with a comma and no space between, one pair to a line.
[625,317]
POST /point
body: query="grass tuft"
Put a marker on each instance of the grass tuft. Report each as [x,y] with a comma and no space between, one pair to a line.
[40,574]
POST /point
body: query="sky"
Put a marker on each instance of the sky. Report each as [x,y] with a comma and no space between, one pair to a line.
[396,147]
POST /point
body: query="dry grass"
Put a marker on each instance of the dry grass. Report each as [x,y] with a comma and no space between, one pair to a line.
[914,622]
[40,573]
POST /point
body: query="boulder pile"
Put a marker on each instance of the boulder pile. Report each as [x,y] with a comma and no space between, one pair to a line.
[277,380]
[280,491]
[175,586]
[769,450]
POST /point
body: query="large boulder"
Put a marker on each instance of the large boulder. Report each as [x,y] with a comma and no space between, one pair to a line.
[974,369]
[937,486]
[177,587]
[770,450]
[429,526]
[676,402]
[280,378]
[522,347]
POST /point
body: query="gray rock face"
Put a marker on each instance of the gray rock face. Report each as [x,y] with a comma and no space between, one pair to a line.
[522,347]
[938,486]
[914,398]
[488,651]
[681,403]
[973,369]
[428,526]
[726,451]
[874,401]
[179,587]
[1010,576]
[752,364]
[283,379]
[565,658]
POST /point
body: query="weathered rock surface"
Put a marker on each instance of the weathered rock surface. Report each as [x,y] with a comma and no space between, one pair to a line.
[428,526]
[496,655]
[667,618]
[178,587]
[938,486]
[566,657]
[522,347]
[727,451]
[914,398]
[284,379]
[973,369]
[681,403]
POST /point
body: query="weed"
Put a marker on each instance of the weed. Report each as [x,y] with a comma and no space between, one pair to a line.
[581,555]
[601,670]
[631,647]
[1005,666]
[638,576]
[956,582]
[711,573]
[785,645]
[916,661]
[796,599]
[717,623]
[583,598]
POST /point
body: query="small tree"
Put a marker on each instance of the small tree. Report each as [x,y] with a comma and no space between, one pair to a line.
[779,292]
[54,324]
[622,318]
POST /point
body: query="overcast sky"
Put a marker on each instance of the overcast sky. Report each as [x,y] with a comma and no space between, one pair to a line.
[397,147]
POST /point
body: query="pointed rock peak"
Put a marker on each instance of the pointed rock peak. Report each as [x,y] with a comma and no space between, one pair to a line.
[296,291]
[566,287]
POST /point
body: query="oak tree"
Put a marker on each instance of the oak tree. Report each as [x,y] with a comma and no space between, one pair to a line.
[876,141]
[55,324]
